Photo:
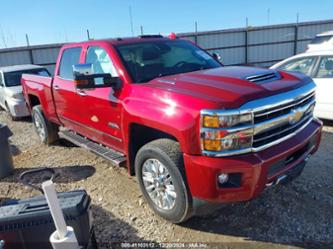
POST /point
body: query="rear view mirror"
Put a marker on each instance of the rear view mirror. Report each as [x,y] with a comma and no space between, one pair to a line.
[85,78]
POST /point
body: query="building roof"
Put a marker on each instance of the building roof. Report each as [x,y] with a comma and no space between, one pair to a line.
[19,68]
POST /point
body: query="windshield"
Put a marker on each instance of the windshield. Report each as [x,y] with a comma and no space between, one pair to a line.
[14,78]
[148,60]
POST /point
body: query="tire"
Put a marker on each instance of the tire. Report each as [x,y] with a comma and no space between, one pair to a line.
[177,206]
[47,131]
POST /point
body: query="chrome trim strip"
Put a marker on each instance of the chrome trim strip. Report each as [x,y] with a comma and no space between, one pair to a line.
[285,107]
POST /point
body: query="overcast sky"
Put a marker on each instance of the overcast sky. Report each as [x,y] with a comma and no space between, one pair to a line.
[47,21]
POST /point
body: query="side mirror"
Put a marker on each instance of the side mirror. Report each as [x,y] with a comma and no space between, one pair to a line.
[85,78]
[216,56]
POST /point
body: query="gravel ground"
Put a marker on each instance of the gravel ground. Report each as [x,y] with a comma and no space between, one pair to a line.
[297,215]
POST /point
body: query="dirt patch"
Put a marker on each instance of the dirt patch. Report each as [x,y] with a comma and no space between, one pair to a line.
[295,215]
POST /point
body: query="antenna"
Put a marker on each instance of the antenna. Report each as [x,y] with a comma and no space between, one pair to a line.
[131,19]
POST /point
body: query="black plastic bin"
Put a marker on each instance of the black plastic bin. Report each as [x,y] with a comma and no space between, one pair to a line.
[28,223]
[6,161]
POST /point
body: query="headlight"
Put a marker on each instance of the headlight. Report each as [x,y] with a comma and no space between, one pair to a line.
[226,120]
[226,132]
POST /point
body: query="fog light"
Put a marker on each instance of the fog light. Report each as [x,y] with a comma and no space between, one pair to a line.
[223,178]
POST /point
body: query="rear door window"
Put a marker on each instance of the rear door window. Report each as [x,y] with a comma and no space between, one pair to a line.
[70,57]
[325,69]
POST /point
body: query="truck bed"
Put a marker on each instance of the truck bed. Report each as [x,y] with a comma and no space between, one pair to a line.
[39,88]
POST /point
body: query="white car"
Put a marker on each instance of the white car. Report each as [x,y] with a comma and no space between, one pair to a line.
[319,66]
[322,41]
[11,93]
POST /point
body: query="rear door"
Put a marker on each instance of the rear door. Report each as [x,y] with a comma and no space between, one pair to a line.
[68,100]
[323,78]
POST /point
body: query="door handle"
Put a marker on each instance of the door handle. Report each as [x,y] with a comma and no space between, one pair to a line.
[56,87]
[81,93]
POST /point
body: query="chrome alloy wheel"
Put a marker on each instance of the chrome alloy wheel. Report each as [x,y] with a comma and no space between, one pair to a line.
[39,126]
[158,184]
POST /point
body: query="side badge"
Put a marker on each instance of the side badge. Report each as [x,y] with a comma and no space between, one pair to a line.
[94,119]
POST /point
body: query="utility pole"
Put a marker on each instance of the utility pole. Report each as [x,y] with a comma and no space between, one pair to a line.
[246,22]
[131,19]
[196,32]
[88,34]
[27,40]
[297,18]
[268,16]
[141,29]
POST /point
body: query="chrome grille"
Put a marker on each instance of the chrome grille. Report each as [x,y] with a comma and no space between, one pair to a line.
[278,122]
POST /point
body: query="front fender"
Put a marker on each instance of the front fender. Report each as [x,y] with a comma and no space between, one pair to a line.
[167,116]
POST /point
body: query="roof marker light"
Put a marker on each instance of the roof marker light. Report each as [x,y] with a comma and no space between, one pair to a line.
[173,36]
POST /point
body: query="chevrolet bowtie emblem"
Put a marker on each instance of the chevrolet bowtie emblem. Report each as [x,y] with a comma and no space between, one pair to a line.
[296,116]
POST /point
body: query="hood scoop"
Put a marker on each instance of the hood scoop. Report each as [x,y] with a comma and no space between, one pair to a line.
[264,78]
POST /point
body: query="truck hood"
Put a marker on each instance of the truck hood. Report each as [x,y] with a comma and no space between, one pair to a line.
[233,85]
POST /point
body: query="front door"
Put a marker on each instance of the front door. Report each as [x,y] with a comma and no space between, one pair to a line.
[103,106]
[324,79]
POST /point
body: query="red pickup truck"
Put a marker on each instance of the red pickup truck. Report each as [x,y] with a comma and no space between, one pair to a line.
[190,129]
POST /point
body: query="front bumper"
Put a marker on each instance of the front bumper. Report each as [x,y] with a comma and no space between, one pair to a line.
[18,108]
[255,168]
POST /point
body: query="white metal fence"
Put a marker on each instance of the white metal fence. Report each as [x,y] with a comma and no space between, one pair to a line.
[260,46]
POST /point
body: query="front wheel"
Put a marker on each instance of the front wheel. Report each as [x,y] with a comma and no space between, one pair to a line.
[47,131]
[160,171]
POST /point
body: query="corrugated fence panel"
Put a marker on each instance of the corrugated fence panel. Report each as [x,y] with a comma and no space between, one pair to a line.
[221,40]
[271,35]
[231,56]
[310,31]
[14,58]
[302,46]
[267,53]
[45,56]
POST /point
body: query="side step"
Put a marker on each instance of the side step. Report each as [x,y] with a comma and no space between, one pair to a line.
[114,156]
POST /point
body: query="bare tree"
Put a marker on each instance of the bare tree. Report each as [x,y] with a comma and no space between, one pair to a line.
[3,37]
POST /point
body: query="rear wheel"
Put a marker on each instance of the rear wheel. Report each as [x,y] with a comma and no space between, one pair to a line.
[160,172]
[47,131]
